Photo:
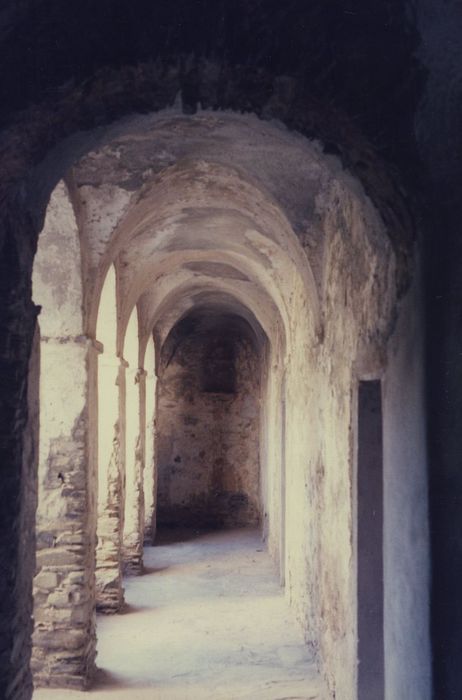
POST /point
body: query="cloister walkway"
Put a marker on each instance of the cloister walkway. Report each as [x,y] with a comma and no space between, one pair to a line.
[208,620]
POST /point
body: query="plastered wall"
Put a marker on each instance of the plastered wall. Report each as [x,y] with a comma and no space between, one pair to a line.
[406,551]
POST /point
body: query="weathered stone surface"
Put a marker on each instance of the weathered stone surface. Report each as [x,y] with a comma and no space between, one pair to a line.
[64,585]
[135,439]
[109,590]
[46,579]
[111,462]
[150,469]
[208,426]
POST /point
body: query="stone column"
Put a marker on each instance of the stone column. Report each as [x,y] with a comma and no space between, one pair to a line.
[150,480]
[109,589]
[134,468]
[64,594]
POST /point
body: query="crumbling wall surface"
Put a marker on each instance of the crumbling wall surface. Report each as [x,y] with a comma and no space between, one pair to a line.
[57,274]
[109,589]
[360,307]
[360,296]
[300,410]
[207,442]
[64,636]
[133,535]
[111,483]
[133,425]
[271,453]
[358,311]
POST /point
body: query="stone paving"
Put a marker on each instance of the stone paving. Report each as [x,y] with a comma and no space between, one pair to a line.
[207,620]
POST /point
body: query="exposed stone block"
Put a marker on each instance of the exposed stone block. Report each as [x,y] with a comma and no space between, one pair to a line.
[46,579]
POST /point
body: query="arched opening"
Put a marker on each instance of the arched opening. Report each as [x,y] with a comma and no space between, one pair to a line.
[109,590]
[207,425]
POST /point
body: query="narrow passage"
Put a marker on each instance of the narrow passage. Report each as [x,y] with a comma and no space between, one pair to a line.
[207,620]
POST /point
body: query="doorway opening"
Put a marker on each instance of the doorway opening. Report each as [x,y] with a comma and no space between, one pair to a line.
[371,673]
[207,425]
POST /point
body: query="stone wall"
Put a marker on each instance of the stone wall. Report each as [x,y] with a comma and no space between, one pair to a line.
[207,437]
[359,298]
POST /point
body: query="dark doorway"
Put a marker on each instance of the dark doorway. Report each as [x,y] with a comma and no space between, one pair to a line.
[371,677]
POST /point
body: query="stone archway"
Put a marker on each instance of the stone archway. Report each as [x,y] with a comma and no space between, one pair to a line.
[208,423]
[219,210]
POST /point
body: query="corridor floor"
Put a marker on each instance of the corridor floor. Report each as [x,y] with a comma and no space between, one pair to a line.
[207,621]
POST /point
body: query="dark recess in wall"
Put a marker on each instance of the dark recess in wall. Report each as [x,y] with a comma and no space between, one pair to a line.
[207,423]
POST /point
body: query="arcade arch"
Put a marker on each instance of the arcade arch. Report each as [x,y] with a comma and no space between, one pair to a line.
[221,221]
